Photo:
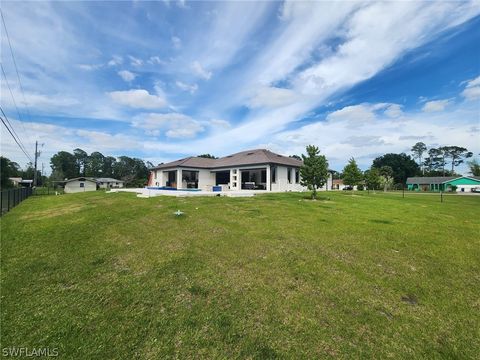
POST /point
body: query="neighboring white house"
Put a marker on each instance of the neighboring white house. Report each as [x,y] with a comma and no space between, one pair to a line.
[109,183]
[18,181]
[337,184]
[80,184]
[247,170]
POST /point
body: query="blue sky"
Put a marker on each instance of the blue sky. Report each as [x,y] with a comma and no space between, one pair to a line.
[162,80]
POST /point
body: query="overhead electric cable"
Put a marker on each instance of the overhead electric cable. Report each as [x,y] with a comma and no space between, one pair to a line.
[16,68]
[11,94]
[14,138]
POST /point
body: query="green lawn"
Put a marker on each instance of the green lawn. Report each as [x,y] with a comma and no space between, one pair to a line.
[112,276]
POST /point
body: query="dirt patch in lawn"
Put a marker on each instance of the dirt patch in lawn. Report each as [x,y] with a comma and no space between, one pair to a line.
[64,210]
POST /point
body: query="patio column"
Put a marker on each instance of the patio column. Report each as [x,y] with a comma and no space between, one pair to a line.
[267,185]
[179,179]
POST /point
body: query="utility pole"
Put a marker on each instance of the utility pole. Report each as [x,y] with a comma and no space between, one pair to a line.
[37,155]
[35,173]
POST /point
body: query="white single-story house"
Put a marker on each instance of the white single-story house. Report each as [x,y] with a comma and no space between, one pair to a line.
[109,183]
[80,184]
[337,184]
[247,170]
[18,181]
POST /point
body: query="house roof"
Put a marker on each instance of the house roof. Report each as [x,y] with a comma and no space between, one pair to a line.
[436,179]
[337,181]
[80,179]
[107,179]
[249,157]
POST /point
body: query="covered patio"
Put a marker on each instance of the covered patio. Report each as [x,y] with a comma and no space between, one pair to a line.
[253,179]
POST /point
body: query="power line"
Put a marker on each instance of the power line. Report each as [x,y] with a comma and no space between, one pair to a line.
[16,68]
[13,98]
[14,138]
[14,132]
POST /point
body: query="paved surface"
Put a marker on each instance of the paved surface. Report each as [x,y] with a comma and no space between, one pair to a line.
[146,193]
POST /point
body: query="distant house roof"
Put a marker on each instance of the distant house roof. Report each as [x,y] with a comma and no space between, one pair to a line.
[80,179]
[436,179]
[244,158]
[337,181]
[107,180]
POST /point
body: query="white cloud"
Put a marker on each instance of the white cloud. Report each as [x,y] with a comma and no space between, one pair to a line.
[126,75]
[200,71]
[135,61]
[176,42]
[116,60]
[89,67]
[354,115]
[155,60]
[182,4]
[57,138]
[472,93]
[219,123]
[394,110]
[436,105]
[472,90]
[273,97]
[103,140]
[187,87]
[175,125]
[138,99]
[364,140]
[380,134]
[37,100]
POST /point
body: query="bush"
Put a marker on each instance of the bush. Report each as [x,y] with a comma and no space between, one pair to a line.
[360,187]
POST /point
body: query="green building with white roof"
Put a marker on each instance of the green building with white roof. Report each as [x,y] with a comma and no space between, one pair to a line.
[444,183]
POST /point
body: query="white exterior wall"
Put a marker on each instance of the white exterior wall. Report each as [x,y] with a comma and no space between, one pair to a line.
[281,181]
[235,180]
[467,188]
[206,179]
[159,178]
[74,186]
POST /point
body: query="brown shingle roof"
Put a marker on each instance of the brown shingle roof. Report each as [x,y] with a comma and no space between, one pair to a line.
[244,158]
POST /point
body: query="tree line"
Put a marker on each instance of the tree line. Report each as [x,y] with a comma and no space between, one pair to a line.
[393,169]
[436,160]
[388,170]
[10,169]
[66,165]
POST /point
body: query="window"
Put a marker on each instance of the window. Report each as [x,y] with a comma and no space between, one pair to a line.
[273,174]
[82,185]
[297,176]
[289,175]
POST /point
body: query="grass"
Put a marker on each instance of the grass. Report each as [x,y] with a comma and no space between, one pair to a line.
[110,276]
